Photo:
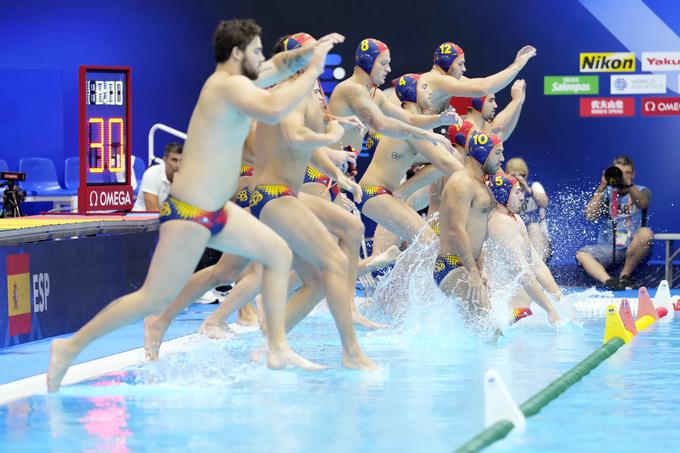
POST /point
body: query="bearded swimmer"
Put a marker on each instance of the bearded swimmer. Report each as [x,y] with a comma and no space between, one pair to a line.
[509,255]
[466,206]
[197,213]
[283,152]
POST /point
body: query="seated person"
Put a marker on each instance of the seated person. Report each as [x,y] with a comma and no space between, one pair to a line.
[155,186]
[533,208]
[623,204]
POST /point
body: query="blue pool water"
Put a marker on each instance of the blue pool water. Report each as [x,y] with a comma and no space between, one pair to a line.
[207,396]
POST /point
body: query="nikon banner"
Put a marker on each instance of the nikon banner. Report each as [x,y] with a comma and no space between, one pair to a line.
[571,85]
[607,62]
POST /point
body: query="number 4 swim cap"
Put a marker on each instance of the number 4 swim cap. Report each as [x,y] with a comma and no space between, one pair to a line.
[407,88]
[367,52]
[446,54]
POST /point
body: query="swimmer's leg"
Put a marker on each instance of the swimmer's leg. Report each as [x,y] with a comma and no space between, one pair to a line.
[397,217]
[180,246]
[349,229]
[225,270]
[309,238]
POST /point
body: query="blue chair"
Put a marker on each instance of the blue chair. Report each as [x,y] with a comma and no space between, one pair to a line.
[72,174]
[41,177]
[138,168]
[3,165]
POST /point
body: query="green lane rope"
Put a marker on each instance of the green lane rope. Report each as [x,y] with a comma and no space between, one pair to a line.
[533,405]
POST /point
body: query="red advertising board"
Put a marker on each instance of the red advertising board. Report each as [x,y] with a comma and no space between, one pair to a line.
[660,106]
[598,107]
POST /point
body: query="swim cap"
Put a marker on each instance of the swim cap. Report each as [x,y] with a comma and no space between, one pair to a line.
[459,134]
[446,54]
[461,104]
[501,186]
[478,103]
[481,146]
[407,88]
[296,40]
[367,52]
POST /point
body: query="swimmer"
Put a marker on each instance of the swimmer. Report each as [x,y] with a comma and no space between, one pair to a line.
[446,78]
[392,158]
[198,213]
[359,95]
[283,151]
[466,206]
[509,254]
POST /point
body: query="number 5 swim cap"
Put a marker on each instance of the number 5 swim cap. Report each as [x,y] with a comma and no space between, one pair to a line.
[501,185]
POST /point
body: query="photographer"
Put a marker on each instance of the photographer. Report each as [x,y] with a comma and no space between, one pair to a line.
[624,237]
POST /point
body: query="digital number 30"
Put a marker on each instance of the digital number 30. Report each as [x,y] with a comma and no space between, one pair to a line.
[101,146]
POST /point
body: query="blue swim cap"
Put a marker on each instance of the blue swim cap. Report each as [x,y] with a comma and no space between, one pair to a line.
[501,185]
[296,40]
[446,54]
[481,146]
[407,88]
[367,52]
[478,103]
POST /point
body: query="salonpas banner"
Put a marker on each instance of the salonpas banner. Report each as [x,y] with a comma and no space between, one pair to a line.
[571,85]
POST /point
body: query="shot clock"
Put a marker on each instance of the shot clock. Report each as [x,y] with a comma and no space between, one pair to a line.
[104,130]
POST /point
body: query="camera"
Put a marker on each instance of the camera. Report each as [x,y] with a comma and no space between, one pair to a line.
[13,195]
[614,177]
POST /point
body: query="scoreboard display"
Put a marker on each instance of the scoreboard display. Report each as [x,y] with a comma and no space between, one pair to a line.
[104,132]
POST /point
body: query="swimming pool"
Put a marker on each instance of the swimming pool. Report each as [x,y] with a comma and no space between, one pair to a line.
[206,396]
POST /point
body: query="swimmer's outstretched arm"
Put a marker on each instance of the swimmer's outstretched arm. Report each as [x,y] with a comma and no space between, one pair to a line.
[271,106]
[297,136]
[371,115]
[285,64]
[322,160]
[425,121]
[506,120]
[487,85]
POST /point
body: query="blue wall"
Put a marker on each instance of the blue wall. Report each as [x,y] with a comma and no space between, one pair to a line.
[168,47]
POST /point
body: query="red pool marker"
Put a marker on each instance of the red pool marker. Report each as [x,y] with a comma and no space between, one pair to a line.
[661,311]
[645,305]
[676,305]
[627,317]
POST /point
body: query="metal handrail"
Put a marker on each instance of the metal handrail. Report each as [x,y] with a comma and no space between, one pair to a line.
[164,128]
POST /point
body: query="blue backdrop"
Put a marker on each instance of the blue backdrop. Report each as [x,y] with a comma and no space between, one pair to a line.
[168,46]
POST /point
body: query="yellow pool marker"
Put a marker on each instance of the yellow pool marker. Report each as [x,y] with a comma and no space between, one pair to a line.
[614,327]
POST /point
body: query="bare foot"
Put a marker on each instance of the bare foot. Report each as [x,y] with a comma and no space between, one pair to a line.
[277,360]
[361,320]
[359,361]
[247,316]
[219,331]
[61,356]
[152,338]
[387,257]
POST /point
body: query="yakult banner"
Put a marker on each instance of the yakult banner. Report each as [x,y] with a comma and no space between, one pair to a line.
[660,61]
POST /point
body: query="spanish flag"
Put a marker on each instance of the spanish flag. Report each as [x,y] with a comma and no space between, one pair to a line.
[18,294]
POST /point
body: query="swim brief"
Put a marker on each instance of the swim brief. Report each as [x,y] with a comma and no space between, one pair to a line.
[520,313]
[313,174]
[247,170]
[370,192]
[174,209]
[444,265]
[263,194]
